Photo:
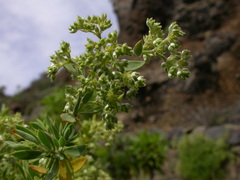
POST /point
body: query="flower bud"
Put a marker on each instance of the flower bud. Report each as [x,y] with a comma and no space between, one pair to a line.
[131,93]
[157,41]
[172,47]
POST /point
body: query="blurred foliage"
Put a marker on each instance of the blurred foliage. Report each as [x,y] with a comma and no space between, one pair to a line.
[96,137]
[53,103]
[138,155]
[149,151]
[8,165]
[202,158]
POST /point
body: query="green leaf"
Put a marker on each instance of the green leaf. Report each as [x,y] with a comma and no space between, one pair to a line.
[90,108]
[53,170]
[81,101]
[58,126]
[68,118]
[138,48]
[75,150]
[71,69]
[67,131]
[65,170]
[133,65]
[20,169]
[78,163]
[46,140]
[87,96]
[17,146]
[54,131]
[36,126]
[77,106]
[26,130]
[25,135]
[71,134]
[62,141]
[26,155]
[38,169]
[41,124]
[55,142]
[52,127]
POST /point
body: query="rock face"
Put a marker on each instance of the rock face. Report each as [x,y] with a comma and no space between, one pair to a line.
[230,133]
[204,73]
[132,16]
[213,36]
[200,16]
[193,16]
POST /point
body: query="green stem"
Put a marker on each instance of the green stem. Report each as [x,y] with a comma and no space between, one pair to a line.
[147,51]
[163,57]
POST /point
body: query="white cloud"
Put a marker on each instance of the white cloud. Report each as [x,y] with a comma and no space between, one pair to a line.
[31,31]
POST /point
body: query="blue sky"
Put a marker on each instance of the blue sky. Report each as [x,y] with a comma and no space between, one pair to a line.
[31,30]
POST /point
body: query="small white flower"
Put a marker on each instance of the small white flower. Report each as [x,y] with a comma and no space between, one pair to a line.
[140,78]
[134,74]
[42,161]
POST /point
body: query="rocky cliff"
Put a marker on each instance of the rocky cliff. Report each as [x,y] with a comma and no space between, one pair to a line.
[211,95]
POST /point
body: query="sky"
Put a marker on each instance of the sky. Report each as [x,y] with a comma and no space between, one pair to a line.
[31,30]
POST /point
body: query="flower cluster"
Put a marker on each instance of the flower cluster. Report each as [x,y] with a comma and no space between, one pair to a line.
[103,78]
[156,45]
[93,24]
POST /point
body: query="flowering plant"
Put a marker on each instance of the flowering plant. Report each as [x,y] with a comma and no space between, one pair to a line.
[102,79]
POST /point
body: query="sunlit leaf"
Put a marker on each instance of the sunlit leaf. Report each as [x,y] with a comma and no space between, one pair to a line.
[78,163]
[65,170]
[67,117]
[134,65]
[38,169]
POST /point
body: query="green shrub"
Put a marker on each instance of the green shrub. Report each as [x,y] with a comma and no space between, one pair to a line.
[117,158]
[202,158]
[149,151]
[138,155]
